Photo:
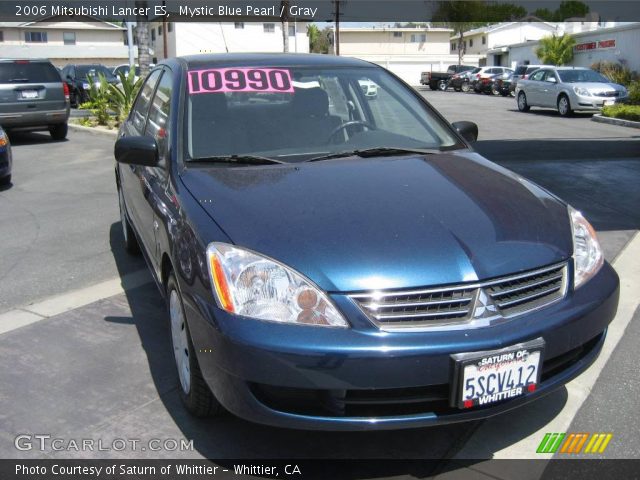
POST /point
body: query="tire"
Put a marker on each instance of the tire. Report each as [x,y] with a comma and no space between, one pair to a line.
[465,87]
[194,391]
[564,106]
[59,131]
[6,180]
[128,235]
[522,102]
[495,91]
[442,85]
[433,86]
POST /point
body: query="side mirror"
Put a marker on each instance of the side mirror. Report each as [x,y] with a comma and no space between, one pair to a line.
[137,150]
[551,80]
[468,130]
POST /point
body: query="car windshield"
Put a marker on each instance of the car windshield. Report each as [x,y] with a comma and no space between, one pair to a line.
[86,71]
[573,76]
[297,113]
[28,72]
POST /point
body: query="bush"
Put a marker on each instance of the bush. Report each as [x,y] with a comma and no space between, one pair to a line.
[634,92]
[616,72]
[98,103]
[121,97]
[625,112]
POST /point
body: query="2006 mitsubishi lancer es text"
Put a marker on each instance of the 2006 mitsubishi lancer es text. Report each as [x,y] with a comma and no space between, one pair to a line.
[332,262]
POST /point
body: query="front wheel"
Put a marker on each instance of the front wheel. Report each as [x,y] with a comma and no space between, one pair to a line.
[194,391]
[465,87]
[6,180]
[522,102]
[564,106]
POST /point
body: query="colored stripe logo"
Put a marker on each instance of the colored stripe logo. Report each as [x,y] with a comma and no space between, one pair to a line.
[573,443]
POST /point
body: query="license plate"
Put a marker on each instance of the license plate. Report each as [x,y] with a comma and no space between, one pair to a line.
[609,102]
[484,378]
[29,94]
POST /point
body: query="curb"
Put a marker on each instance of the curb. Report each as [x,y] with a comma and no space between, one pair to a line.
[95,131]
[615,121]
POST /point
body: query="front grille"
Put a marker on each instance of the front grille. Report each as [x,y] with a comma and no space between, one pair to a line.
[607,94]
[461,304]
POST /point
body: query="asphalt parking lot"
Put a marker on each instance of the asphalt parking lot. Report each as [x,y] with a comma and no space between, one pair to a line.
[85,343]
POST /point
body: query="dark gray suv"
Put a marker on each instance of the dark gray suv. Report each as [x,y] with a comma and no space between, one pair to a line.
[33,96]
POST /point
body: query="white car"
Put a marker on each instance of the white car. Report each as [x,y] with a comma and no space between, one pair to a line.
[369,88]
[568,89]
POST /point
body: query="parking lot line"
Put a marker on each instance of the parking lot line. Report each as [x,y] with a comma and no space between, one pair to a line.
[35,312]
[492,432]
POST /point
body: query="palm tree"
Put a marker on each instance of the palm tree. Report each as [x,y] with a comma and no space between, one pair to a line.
[555,50]
[142,32]
[285,26]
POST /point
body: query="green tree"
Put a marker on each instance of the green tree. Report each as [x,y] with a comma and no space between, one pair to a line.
[318,40]
[570,8]
[544,14]
[555,50]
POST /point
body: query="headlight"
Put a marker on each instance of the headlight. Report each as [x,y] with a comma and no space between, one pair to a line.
[3,139]
[245,283]
[587,253]
[582,91]
[85,86]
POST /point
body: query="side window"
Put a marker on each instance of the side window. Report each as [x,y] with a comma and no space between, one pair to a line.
[160,114]
[550,76]
[538,76]
[141,107]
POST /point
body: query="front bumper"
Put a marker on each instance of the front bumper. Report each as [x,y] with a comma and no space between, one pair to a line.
[591,103]
[363,379]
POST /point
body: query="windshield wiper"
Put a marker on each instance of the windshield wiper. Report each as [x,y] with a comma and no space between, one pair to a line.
[375,152]
[238,159]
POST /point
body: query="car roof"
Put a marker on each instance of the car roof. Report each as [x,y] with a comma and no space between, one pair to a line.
[266,59]
[571,68]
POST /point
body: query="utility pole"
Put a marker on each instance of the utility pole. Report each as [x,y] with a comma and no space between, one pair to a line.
[130,45]
[164,33]
[337,20]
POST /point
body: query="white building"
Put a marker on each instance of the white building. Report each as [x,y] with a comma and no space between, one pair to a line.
[84,40]
[190,38]
[490,42]
[613,44]
[405,51]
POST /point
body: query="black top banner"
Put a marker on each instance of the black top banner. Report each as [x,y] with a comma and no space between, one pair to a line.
[320,10]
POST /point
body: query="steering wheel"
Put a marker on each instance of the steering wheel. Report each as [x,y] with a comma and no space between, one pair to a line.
[349,124]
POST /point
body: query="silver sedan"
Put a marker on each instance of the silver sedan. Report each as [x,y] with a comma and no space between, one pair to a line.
[568,89]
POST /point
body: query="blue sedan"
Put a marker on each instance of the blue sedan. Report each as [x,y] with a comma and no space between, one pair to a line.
[334,263]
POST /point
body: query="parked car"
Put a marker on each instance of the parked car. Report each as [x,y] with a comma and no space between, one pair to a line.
[328,265]
[33,97]
[125,67]
[369,88]
[568,89]
[484,73]
[5,158]
[523,72]
[461,82]
[439,80]
[502,84]
[79,78]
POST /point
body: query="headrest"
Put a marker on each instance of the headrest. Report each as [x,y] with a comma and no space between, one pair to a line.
[310,102]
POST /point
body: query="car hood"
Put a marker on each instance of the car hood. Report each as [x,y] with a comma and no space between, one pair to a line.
[598,86]
[395,222]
